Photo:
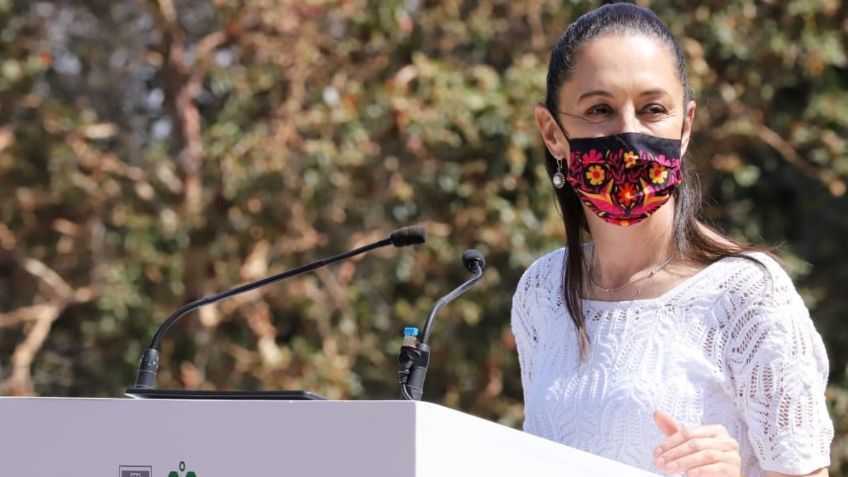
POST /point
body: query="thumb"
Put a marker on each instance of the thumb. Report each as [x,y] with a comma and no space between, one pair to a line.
[665,423]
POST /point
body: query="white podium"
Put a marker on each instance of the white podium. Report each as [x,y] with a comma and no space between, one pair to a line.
[63,437]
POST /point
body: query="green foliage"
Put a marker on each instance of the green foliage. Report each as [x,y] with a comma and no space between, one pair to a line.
[147,159]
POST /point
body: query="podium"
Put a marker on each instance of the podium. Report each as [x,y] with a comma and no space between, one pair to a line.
[83,437]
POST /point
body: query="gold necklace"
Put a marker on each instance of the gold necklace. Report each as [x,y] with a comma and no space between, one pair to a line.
[631,282]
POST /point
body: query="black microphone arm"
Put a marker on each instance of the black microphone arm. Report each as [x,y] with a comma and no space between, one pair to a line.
[413,362]
[149,364]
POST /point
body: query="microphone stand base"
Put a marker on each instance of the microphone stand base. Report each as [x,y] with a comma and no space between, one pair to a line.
[142,393]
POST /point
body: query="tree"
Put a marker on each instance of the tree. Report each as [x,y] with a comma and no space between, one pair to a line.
[153,152]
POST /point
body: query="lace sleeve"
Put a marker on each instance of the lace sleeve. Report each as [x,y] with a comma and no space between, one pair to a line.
[778,365]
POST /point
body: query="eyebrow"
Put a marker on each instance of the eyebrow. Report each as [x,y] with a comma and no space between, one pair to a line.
[596,92]
[607,94]
[655,92]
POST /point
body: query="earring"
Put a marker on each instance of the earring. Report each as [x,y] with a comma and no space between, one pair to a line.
[558,179]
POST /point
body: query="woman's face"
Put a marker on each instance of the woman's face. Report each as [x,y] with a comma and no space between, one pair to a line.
[619,84]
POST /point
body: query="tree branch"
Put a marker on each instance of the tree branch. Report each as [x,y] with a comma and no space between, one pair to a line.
[60,294]
[20,381]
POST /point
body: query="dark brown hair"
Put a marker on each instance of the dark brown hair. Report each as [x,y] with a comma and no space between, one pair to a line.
[689,234]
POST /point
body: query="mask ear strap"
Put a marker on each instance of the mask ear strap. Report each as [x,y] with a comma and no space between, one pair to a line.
[683,126]
[567,137]
[556,120]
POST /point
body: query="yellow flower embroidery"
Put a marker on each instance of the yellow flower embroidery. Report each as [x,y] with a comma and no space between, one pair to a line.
[596,175]
[658,173]
[630,158]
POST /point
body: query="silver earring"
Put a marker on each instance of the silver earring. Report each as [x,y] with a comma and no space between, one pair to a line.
[558,178]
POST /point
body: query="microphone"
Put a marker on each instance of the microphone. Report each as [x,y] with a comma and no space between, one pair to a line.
[408,236]
[414,360]
[149,363]
[472,259]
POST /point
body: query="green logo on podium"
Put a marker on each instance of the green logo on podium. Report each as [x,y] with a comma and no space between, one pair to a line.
[174,473]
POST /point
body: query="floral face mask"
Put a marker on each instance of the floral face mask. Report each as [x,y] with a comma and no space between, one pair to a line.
[623,178]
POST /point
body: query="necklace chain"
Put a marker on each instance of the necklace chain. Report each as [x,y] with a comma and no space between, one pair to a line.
[631,282]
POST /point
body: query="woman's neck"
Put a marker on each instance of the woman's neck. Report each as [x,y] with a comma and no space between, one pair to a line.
[623,254]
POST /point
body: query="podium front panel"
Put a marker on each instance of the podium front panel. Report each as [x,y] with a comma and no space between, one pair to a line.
[68,437]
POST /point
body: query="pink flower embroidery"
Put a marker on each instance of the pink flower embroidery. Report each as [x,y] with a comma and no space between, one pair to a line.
[592,156]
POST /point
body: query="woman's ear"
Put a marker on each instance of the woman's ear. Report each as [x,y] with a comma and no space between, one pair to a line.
[551,133]
[687,127]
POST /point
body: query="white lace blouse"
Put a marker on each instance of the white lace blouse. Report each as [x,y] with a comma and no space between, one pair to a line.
[732,345]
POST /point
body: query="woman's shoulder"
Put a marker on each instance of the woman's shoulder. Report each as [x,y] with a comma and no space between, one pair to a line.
[545,272]
[544,269]
[754,279]
[757,306]
[551,259]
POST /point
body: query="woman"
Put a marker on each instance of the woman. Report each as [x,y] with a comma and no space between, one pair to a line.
[661,344]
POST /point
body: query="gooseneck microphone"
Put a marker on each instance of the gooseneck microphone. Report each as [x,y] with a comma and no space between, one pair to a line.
[414,360]
[149,363]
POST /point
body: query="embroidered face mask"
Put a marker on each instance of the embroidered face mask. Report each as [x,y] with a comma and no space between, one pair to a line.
[623,178]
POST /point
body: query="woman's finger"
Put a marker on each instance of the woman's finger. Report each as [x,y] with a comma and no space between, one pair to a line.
[666,423]
[687,434]
[702,458]
[694,445]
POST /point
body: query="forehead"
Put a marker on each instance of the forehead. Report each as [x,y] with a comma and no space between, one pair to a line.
[623,65]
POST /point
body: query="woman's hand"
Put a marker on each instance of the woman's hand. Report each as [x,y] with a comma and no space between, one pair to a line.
[697,451]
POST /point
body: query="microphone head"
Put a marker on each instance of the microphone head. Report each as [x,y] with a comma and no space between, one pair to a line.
[472,259]
[408,236]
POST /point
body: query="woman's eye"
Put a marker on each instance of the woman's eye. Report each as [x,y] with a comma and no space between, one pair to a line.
[599,110]
[654,109]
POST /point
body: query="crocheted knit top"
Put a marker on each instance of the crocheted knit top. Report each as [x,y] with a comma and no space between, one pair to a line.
[731,345]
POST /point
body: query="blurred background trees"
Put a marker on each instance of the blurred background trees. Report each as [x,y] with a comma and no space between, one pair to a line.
[155,151]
